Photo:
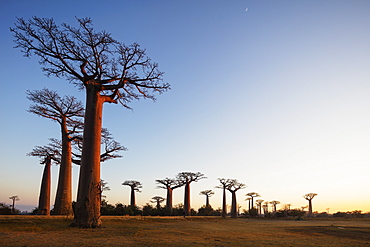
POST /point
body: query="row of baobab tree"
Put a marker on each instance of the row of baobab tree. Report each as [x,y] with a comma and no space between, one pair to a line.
[231,185]
[108,71]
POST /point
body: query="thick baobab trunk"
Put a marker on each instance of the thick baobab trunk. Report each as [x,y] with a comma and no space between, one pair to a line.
[87,213]
[309,208]
[233,205]
[133,201]
[169,200]
[187,200]
[63,198]
[207,201]
[224,203]
[44,198]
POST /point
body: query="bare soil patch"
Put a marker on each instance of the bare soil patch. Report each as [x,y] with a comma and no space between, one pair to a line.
[179,231]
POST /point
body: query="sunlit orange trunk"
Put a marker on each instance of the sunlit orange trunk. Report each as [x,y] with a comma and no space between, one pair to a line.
[44,198]
[63,198]
[87,213]
[233,205]
[224,203]
[187,200]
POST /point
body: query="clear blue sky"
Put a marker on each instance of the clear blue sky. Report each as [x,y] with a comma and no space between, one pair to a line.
[276,97]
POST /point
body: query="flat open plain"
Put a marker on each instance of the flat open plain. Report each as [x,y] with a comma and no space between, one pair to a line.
[179,231]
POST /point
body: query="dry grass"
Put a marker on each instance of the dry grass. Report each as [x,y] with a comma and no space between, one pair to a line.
[177,231]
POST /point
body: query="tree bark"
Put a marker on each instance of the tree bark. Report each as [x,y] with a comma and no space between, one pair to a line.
[187,200]
[224,203]
[309,208]
[169,200]
[207,201]
[133,202]
[87,214]
[44,198]
[233,205]
[63,198]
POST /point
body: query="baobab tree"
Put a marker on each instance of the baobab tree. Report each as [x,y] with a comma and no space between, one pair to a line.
[68,112]
[224,184]
[208,194]
[265,207]
[274,203]
[135,186]
[14,199]
[158,200]
[108,70]
[169,184]
[47,154]
[186,178]
[233,187]
[104,187]
[259,205]
[249,203]
[309,198]
[252,195]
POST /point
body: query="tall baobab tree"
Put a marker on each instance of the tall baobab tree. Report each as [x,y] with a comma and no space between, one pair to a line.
[274,203]
[135,186]
[252,195]
[108,70]
[208,194]
[158,200]
[47,154]
[68,112]
[187,178]
[265,207]
[169,184]
[233,187]
[14,199]
[259,206]
[224,184]
[309,198]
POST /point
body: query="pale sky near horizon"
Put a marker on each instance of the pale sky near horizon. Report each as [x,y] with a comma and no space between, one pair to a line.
[276,97]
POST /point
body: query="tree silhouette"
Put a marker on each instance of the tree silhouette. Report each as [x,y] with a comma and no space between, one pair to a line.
[158,200]
[274,203]
[108,70]
[208,194]
[249,203]
[47,154]
[68,112]
[259,205]
[233,187]
[309,198]
[186,178]
[224,184]
[14,199]
[265,207]
[135,186]
[252,196]
[104,187]
[169,184]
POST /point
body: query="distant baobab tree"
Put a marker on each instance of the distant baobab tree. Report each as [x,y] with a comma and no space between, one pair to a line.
[309,198]
[233,187]
[187,178]
[252,195]
[249,200]
[265,207]
[108,70]
[224,184]
[14,199]
[47,154]
[259,205]
[274,203]
[135,186]
[169,184]
[208,194]
[68,112]
[158,200]
[104,187]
